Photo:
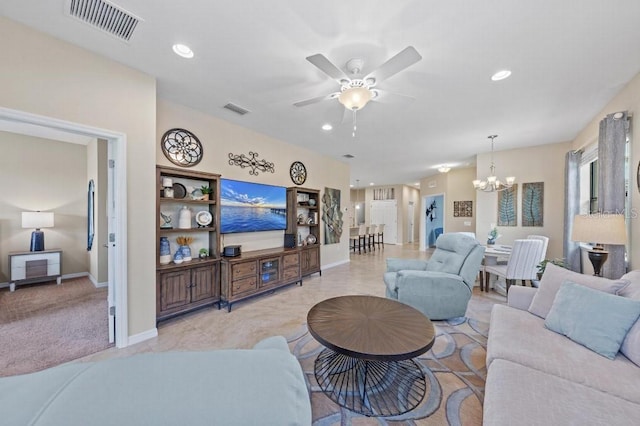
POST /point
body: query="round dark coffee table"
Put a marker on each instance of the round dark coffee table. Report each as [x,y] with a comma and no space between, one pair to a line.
[370,341]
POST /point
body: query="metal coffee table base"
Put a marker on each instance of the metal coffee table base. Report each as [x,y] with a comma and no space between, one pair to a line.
[372,388]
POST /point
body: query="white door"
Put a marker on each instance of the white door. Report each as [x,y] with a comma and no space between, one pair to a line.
[386,212]
[410,213]
[111,292]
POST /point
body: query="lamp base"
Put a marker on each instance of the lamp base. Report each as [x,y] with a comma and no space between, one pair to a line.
[37,240]
[597,258]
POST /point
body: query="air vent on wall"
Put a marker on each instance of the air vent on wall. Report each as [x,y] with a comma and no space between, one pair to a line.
[235,108]
[105,16]
[348,156]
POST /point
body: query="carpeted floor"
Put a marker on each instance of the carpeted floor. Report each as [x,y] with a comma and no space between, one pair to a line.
[454,368]
[47,324]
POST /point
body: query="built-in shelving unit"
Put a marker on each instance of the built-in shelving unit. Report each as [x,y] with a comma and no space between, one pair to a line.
[194,284]
[303,221]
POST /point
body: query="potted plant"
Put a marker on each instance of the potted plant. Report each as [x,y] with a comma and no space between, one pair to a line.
[203,253]
[542,265]
[206,191]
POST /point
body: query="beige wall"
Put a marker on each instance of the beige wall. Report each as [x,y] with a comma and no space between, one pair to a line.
[219,138]
[627,100]
[45,76]
[543,163]
[41,174]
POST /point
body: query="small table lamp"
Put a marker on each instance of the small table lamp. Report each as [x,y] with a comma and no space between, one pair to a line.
[37,220]
[600,229]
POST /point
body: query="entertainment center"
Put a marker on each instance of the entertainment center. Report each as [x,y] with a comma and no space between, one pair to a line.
[231,207]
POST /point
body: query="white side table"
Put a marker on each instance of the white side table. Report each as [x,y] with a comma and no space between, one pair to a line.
[34,266]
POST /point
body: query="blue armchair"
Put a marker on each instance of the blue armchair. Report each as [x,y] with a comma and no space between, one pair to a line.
[441,287]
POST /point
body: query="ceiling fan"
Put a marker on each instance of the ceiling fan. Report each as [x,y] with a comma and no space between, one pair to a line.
[355,91]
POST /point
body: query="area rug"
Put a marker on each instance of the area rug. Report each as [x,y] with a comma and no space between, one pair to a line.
[45,325]
[454,368]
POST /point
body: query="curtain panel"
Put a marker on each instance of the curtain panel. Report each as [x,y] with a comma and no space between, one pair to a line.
[571,252]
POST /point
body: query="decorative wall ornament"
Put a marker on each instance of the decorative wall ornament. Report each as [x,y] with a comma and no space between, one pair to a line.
[384,194]
[332,216]
[533,204]
[298,172]
[431,211]
[251,161]
[181,147]
[507,209]
[463,209]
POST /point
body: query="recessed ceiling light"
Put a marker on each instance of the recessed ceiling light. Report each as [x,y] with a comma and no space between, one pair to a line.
[371,183]
[351,186]
[326,127]
[417,184]
[501,75]
[183,50]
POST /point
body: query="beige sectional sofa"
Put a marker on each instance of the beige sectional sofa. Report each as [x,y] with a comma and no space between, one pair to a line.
[539,377]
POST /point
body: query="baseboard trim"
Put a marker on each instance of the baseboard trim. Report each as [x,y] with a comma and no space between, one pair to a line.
[141,337]
[333,265]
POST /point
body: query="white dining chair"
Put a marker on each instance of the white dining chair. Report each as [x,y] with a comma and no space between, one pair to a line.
[363,237]
[373,230]
[545,244]
[521,265]
[381,235]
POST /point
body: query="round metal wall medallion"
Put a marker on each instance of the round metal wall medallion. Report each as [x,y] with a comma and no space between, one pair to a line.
[181,147]
[298,173]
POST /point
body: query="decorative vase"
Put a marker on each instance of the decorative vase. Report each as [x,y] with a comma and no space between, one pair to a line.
[186,253]
[184,221]
[165,251]
[491,241]
[177,258]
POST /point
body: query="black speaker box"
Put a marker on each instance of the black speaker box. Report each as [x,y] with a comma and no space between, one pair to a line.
[289,240]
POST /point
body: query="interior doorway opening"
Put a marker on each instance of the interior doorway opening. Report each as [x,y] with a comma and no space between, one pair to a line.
[116,205]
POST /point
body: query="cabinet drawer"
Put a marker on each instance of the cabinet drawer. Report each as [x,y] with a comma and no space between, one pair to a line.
[244,285]
[291,273]
[244,269]
[20,261]
[290,260]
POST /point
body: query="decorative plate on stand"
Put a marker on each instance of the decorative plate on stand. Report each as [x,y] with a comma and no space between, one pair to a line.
[204,218]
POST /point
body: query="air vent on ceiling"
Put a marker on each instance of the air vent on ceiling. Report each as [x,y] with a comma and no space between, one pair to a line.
[237,109]
[348,156]
[105,16]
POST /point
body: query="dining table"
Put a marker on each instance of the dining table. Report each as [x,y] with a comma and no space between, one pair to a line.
[493,254]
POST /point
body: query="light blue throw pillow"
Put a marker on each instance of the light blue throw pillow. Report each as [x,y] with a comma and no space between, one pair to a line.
[593,318]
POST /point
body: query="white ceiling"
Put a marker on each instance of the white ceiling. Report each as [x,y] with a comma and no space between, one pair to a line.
[568,58]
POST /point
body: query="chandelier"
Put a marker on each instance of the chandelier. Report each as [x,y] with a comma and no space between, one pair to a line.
[492,183]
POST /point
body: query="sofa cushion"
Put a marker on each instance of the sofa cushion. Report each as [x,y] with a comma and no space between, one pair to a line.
[595,319]
[631,344]
[520,337]
[519,395]
[555,275]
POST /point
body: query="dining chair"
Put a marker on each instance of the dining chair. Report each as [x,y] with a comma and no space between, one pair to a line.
[521,265]
[373,229]
[545,244]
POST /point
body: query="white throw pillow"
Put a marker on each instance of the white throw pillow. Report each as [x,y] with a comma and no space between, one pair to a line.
[553,278]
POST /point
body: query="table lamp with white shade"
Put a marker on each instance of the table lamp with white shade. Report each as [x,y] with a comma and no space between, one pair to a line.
[37,220]
[600,229]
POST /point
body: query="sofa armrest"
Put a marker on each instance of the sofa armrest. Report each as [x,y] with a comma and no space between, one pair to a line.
[520,297]
[273,342]
[395,264]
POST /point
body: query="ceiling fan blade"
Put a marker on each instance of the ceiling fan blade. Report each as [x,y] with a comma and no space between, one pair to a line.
[317,99]
[327,67]
[394,65]
[392,98]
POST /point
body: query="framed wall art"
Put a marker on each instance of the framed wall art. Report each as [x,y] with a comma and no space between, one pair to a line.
[463,209]
[533,204]
[507,208]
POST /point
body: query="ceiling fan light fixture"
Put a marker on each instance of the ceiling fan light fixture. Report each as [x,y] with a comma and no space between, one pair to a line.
[355,98]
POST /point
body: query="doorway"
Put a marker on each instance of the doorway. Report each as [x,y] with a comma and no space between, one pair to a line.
[116,208]
[433,218]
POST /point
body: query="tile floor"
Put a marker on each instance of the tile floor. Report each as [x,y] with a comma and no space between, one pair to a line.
[284,311]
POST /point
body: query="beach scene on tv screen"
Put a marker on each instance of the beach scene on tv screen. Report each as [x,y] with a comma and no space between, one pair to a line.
[251,207]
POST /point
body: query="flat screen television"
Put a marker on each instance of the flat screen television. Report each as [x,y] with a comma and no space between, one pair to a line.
[252,207]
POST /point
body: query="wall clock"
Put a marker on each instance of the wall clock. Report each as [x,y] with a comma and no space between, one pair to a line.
[181,147]
[298,173]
